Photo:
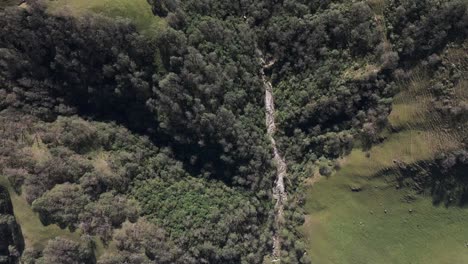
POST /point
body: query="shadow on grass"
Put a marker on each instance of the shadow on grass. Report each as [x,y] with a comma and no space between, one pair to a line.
[10,230]
[447,184]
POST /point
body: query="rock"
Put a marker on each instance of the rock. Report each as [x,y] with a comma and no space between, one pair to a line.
[355,188]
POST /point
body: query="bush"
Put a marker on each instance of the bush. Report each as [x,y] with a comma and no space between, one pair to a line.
[61,205]
[61,250]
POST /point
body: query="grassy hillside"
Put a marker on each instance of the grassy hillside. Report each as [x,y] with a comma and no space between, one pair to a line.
[138,11]
[5,3]
[357,216]
[34,232]
[347,227]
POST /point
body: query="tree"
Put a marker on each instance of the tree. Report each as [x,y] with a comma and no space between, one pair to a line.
[61,250]
[145,239]
[108,212]
[61,205]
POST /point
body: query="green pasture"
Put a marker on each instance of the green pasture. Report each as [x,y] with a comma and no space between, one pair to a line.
[379,222]
[137,11]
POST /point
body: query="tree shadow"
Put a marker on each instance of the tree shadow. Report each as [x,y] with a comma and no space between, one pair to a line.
[447,186]
[12,240]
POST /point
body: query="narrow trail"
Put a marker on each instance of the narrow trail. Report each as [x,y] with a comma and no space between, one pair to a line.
[279,192]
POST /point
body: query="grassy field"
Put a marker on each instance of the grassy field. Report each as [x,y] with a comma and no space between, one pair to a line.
[352,227]
[5,3]
[34,232]
[138,11]
[347,227]
[383,223]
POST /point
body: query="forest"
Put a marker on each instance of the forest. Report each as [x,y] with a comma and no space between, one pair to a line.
[152,147]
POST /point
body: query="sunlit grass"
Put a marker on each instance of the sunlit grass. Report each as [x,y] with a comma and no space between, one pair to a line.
[101,163]
[6,3]
[378,6]
[349,227]
[412,105]
[138,11]
[375,225]
[34,232]
[352,227]
[38,150]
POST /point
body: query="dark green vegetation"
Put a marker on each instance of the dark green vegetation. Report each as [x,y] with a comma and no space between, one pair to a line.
[145,137]
[90,176]
[12,244]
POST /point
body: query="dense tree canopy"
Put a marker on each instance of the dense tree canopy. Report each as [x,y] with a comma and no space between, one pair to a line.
[158,145]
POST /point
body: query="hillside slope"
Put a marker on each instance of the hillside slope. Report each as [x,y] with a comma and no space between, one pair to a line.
[404,200]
